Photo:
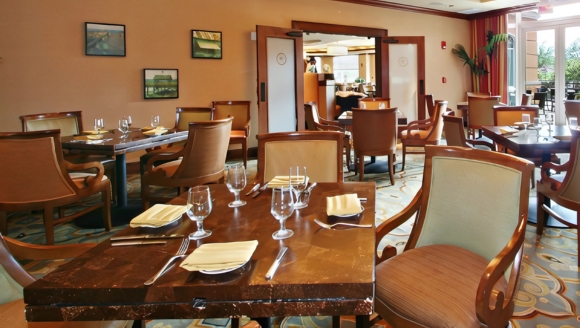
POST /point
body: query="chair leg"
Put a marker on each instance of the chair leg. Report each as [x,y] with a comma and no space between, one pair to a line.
[391,163]
[245,153]
[541,215]
[361,167]
[106,198]
[347,148]
[49,224]
[533,178]
[404,155]
[4,223]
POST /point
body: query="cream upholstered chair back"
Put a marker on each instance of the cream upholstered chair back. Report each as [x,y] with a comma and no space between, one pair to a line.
[508,115]
[374,103]
[570,189]
[479,94]
[484,226]
[319,151]
[453,128]
[572,108]
[239,110]
[480,111]
[69,123]
[184,115]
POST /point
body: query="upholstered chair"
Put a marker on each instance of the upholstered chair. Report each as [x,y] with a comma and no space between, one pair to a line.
[479,94]
[562,188]
[540,99]
[461,264]
[44,182]
[13,278]
[240,111]
[374,133]
[423,132]
[480,113]
[319,151]
[572,108]
[374,103]
[316,123]
[526,99]
[508,115]
[455,133]
[201,160]
[70,124]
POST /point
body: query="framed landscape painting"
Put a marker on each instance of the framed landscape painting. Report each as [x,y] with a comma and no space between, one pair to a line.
[206,44]
[160,83]
[104,39]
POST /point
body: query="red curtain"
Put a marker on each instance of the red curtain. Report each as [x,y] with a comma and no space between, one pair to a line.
[495,81]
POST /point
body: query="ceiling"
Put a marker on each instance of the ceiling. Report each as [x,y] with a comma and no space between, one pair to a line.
[316,44]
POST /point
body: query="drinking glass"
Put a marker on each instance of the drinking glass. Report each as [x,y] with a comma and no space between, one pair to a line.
[550,121]
[573,122]
[526,120]
[282,207]
[123,127]
[198,208]
[99,124]
[155,121]
[537,125]
[236,181]
[298,184]
[129,121]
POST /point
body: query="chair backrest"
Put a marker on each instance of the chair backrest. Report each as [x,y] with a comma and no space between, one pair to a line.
[319,151]
[36,180]
[69,123]
[374,103]
[572,108]
[570,188]
[449,213]
[374,132]
[454,132]
[430,102]
[436,128]
[239,110]
[508,115]
[480,111]
[184,115]
[311,115]
[479,94]
[526,99]
[540,97]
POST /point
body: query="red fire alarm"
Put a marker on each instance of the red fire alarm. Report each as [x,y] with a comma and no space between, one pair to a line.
[444,79]
[443,44]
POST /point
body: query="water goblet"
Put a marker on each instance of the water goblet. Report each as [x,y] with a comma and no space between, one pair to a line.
[123,127]
[550,121]
[525,121]
[155,121]
[99,124]
[537,125]
[199,206]
[298,185]
[236,181]
[282,207]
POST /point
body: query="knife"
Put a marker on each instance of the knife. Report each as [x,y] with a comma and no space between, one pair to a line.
[259,191]
[276,263]
[253,189]
[131,237]
[138,242]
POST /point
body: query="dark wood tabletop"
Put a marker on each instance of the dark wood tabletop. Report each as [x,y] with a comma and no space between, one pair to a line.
[324,272]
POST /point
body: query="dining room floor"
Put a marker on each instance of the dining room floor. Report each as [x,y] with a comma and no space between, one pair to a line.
[548,293]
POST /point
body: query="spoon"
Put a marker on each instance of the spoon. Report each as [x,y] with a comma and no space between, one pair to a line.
[330,226]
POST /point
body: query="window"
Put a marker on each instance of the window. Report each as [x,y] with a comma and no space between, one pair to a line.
[345,68]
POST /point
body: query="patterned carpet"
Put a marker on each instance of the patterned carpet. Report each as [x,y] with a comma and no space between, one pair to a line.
[548,290]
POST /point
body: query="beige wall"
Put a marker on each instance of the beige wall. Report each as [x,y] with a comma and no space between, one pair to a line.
[44,68]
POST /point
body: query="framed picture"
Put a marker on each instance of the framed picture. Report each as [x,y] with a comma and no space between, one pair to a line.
[104,39]
[160,83]
[206,44]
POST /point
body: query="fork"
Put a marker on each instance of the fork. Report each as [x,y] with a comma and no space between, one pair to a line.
[180,253]
[330,226]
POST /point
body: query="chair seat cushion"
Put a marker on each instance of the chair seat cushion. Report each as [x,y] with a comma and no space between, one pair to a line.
[415,134]
[434,285]
[79,178]
[169,168]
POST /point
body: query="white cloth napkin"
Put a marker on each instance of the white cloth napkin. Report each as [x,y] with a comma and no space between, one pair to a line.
[158,215]
[348,204]
[507,130]
[283,181]
[220,256]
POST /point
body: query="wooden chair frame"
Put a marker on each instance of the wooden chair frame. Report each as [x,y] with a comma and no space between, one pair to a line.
[455,134]
[235,137]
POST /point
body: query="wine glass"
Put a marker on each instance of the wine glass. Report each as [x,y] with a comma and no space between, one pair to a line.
[123,127]
[573,123]
[199,206]
[155,121]
[537,125]
[236,181]
[550,121]
[282,207]
[298,184]
[99,124]
[526,121]
[129,121]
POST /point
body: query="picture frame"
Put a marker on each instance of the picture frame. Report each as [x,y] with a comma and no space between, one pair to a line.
[160,83]
[103,39]
[206,44]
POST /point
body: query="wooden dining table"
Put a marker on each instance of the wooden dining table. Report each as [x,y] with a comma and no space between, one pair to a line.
[324,272]
[113,145]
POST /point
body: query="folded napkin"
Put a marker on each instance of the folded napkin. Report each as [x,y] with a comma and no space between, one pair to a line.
[283,181]
[349,113]
[158,215]
[94,131]
[149,127]
[158,131]
[348,204]
[220,256]
[507,130]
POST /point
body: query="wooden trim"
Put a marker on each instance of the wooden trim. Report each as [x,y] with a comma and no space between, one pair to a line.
[338,29]
[503,11]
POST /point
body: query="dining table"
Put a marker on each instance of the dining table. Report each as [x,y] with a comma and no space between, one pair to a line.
[112,143]
[325,272]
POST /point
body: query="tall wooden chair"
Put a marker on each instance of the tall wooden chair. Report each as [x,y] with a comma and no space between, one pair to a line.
[319,151]
[461,263]
[480,113]
[508,115]
[374,134]
[455,134]
[572,108]
[561,188]
[526,99]
[200,161]
[44,183]
[240,111]
[423,132]
[374,103]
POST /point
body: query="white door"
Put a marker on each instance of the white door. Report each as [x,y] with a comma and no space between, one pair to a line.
[403,80]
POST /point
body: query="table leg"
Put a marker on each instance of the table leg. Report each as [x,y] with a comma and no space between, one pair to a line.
[121,170]
[362,321]
[335,322]
[264,322]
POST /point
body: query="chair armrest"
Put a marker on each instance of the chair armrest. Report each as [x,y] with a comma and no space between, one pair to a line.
[491,304]
[386,227]
[327,122]
[89,180]
[417,122]
[552,166]
[247,128]
[324,127]
[162,157]
[482,143]
[417,127]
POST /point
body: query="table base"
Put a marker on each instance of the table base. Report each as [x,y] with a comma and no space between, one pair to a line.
[374,167]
